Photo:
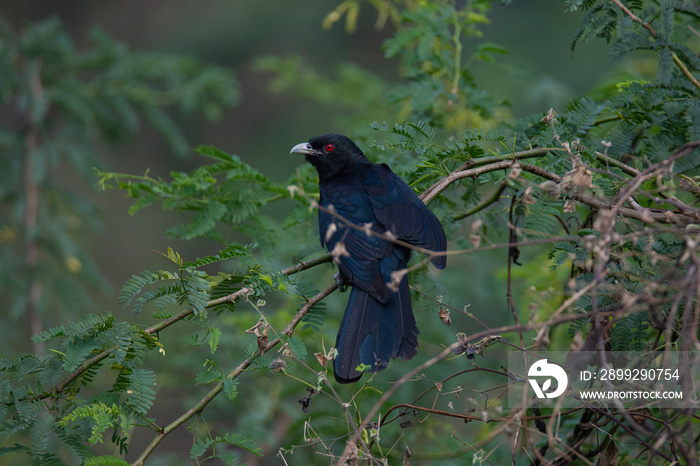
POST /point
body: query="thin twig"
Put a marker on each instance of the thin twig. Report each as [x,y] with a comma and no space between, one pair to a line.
[230,298]
[199,406]
[679,63]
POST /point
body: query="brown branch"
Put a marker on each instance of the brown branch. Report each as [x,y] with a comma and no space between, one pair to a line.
[443,354]
[687,216]
[495,197]
[676,59]
[621,424]
[231,298]
[232,375]
[483,165]
[32,197]
[644,215]
[680,152]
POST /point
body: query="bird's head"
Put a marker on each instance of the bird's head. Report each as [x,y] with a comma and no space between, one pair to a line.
[328,153]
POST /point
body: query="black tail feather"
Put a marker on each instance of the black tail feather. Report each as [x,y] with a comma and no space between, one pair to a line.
[373,333]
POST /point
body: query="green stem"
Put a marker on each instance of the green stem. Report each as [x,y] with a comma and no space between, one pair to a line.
[493,198]
[199,407]
[458,53]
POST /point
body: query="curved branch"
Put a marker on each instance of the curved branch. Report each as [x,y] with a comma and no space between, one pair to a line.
[232,375]
[495,163]
[676,59]
[485,164]
[495,197]
[645,215]
[446,352]
[231,298]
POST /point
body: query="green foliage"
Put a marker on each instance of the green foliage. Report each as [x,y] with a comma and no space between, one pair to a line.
[136,283]
[354,89]
[37,379]
[231,389]
[83,345]
[140,390]
[64,102]
[228,192]
[107,460]
[603,192]
[102,415]
[201,446]
[630,333]
[317,314]
[437,88]
[60,102]
[428,42]
[296,346]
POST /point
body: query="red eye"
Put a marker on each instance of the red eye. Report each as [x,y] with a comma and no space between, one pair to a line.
[329,147]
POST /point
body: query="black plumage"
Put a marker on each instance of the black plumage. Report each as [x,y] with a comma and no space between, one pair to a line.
[378,323]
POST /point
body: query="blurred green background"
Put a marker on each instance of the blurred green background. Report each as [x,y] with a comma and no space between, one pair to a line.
[540,72]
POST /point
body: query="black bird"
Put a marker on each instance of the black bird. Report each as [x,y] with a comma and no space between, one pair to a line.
[378,323]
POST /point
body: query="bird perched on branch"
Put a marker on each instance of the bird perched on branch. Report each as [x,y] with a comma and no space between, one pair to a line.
[370,220]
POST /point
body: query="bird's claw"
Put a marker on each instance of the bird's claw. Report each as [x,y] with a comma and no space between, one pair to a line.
[341,281]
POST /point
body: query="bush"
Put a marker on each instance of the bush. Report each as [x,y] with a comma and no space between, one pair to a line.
[591,209]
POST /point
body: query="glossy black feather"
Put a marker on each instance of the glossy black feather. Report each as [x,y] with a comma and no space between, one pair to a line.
[378,324]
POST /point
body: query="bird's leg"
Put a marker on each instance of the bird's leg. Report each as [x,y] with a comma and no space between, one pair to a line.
[341,280]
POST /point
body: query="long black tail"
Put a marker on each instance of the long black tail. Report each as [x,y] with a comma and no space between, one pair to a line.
[372,333]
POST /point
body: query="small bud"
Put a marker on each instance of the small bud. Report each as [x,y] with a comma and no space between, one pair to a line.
[339,251]
[332,228]
[278,365]
[589,242]
[445,316]
[569,206]
[465,347]
[515,171]
[528,198]
[476,225]
[549,117]
[549,190]
[396,277]
[475,237]
[475,240]
[322,359]
[583,178]
[332,353]
[306,400]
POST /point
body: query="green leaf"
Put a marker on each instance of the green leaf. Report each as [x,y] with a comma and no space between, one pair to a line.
[137,282]
[214,338]
[141,391]
[208,376]
[231,251]
[48,335]
[201,446]
[231,389]
[296,345]
[107,460]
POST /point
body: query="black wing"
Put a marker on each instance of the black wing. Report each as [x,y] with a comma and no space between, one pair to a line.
[375,195]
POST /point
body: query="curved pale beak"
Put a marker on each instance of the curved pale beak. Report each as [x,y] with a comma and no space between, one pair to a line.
[303,148]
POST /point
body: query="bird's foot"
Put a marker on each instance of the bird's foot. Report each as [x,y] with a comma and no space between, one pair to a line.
[341,281]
